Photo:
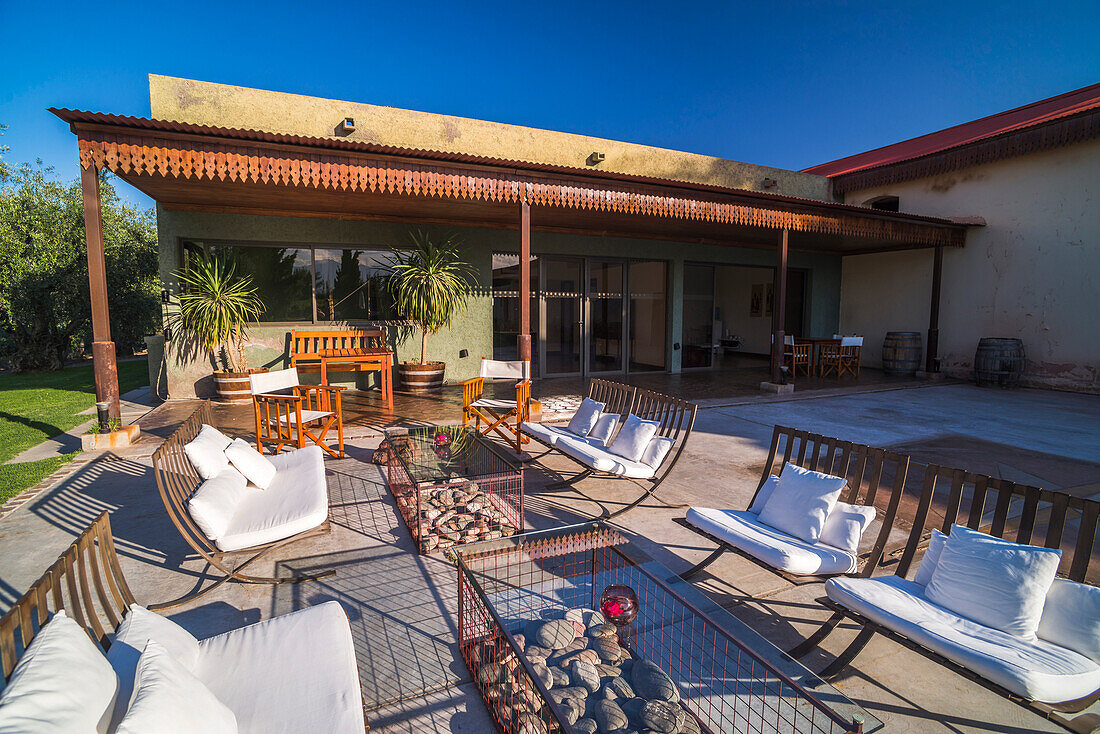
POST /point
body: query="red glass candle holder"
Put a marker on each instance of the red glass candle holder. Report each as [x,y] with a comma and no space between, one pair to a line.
[619,604]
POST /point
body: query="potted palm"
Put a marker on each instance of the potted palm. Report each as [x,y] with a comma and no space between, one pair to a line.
[216,306]
[429,284]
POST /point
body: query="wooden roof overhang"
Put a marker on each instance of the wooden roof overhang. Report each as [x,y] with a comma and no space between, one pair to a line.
[200,168]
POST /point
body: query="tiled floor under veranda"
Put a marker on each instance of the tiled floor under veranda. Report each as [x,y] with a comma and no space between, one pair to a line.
[402,606]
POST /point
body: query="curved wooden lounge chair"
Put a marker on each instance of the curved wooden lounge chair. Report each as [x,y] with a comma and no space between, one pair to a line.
[675,417]
[177,480]
[871,474]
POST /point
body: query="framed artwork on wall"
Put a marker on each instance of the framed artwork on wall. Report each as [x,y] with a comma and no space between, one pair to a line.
[768,298]
[756,300]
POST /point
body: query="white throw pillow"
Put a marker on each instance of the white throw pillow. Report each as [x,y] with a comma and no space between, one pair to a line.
[1071,617]
[248,461]
[604,428]
[137,628]
[931,558]
[584,420]
[656,451]
[994,582]
[845,526]
[214,502]
[206,451]
[63,683]
[764,494]
[169,699]
[801,501]
[633,437]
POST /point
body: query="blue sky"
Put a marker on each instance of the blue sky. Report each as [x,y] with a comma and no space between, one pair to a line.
[782,83]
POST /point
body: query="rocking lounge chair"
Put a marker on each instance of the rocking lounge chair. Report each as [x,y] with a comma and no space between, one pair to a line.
[674,418]
[502,417]
[257,522]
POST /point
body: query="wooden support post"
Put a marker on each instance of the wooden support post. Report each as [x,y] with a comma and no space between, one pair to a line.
[932,353]
[779,307]
[103,349]
[524,339]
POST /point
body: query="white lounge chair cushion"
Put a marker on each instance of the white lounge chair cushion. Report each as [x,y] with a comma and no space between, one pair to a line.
[584,420]
[845,526]
[308,416]
[138,628]
[214,502]
[549,435]
[490,403]
[592,453]
[256,467]
[63,683]
[1071,617]
[931,558]
[633,438]
[206,451]
[604,429]
[169,698]
[801,501]
[656,451]
[290,674]
[994,582]
[764,494]
[744,531]
[296,501]
[1032,668]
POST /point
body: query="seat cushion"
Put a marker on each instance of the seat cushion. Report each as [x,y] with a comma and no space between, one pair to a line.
[744,531]
[214,502]
[549,435]
[1032,668]
[296,501]
[593,454]
[289,674]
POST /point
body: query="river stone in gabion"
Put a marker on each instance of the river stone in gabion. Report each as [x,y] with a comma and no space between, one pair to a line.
[608,671]
[543,673]
[691,725]
[531,724]
[608,649]
[662,716]
[632,707]
[586,726]
[556,634]
[561,678]
[587,617]
[572,708]
[603,630]
[650,682]
[609,716]
[489,673]
[583,673]
[621,688]
[535,651]
[578,692]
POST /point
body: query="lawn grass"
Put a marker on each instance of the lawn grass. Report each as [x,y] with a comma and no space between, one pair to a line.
[37,406]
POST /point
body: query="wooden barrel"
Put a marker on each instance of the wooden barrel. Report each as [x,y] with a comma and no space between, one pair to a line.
[901,352]
[998,361]
[421,378]
[232,387]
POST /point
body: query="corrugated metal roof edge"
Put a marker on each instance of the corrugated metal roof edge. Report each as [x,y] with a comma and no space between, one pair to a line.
[105,118]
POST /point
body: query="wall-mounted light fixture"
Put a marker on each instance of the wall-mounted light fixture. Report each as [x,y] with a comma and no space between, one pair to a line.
[347,125]
[595,158]
[770,183]
[463,353]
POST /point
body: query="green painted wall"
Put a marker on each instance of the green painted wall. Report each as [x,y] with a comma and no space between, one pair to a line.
[189,374]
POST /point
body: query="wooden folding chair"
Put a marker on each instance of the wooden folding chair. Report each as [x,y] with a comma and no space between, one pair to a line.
[843,358]
[801,354]
[288,412]
[503,417]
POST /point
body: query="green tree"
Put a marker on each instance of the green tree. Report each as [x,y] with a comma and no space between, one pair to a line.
[44,305]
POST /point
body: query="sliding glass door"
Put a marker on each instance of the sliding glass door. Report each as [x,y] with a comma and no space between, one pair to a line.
[563,313]
[606,316]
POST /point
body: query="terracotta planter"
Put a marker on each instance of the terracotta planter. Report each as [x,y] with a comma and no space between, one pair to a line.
[233,387]
[421,378]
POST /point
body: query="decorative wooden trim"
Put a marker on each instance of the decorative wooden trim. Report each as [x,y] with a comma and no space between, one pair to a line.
[1046,137]
[162,155]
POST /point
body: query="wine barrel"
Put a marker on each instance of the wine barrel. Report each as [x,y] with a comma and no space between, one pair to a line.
[232,387]
[421,378]
[901,352]
[998,361]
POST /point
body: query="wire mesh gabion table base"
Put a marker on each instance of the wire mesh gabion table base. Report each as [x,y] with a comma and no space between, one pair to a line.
[546,660]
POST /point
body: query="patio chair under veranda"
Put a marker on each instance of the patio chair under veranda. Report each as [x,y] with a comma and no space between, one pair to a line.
[500,416]
[621,432]
[288,413]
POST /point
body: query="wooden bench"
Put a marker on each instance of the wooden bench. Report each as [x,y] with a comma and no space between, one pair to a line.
[351,350]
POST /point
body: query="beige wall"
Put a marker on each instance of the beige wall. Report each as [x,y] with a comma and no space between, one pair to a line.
[205,103]
[732,294]
[1033,272]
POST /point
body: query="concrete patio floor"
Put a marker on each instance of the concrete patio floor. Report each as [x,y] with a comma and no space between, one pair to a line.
[402,606]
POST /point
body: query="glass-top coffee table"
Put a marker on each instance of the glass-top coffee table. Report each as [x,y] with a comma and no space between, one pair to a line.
[576,630]
[453,486]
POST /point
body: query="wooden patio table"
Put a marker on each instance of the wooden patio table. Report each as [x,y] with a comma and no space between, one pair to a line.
[379,358]
[817,342]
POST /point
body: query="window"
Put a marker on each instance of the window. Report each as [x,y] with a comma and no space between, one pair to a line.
[506,304]
[311,283]
[884,203]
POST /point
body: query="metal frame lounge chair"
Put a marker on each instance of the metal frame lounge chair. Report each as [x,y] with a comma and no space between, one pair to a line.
[1002,509]
[675,417]
[863,466]
[177,481]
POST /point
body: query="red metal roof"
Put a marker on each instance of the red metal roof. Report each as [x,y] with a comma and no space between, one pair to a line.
[1032,115]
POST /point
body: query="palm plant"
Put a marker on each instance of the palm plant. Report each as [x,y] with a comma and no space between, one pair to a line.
[216,306]
[430,283]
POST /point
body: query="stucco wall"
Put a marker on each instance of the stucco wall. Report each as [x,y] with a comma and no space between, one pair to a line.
[189,374]
[224,105]
[1033,272]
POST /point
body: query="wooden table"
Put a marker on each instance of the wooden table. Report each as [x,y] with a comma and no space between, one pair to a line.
[816,342]
[369,358]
